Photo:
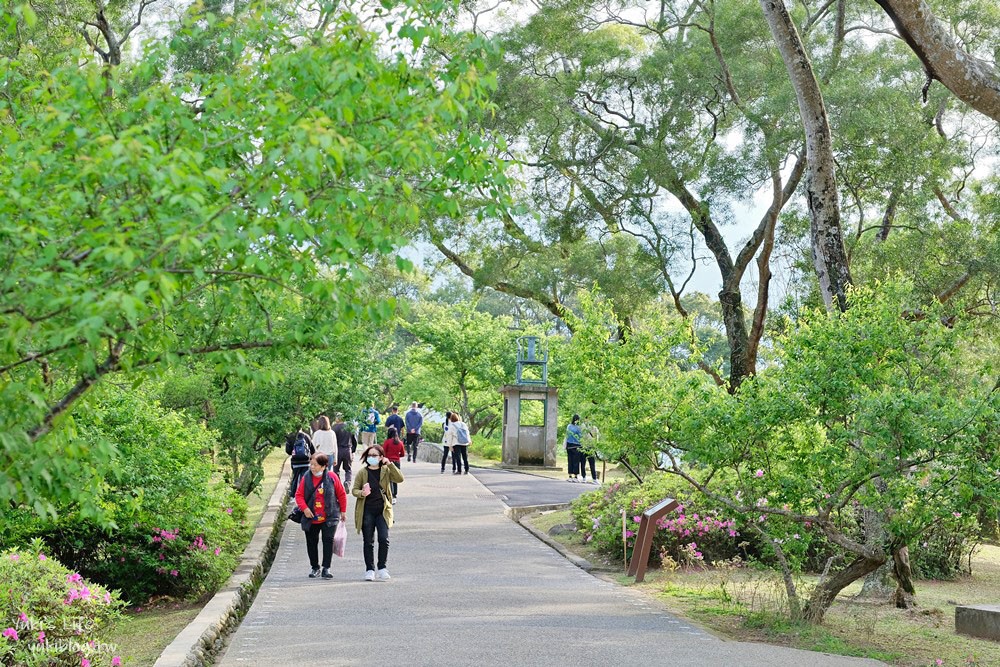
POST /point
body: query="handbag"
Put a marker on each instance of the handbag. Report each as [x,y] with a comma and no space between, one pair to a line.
[297,515]
[340,539]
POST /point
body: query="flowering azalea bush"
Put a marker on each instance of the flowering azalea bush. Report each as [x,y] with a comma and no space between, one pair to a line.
[50,614]
[693,533]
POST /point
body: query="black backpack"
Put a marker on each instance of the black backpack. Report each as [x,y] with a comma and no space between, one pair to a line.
[300,450]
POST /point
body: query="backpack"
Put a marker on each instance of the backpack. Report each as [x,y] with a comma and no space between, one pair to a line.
[462,434]
[300,450]
[371,417]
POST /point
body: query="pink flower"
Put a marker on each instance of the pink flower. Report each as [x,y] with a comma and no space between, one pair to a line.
[116,661]
[10,633]
[218,550]
[637,518]
[107,598]
[74,578]
[41,637]
[162,556]
[173,573]
[84,662]
[229,510]
[957,515]
[939,661]
[42,557]
[15,557]
[23,617]
[629,533]
[759,473]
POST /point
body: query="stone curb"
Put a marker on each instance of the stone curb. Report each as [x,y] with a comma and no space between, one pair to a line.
[581,563]
[199,643]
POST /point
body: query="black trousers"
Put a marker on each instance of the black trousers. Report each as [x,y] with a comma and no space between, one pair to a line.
[395,485]
[370,523]
[297,471]
[573,462]
[412,440]
[312,537]
[444,459]
[344,461]
[584,457]
[460,455]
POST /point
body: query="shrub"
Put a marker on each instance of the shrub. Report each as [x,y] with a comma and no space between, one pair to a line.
[486,448]
[693,533]
[946,551]
[177,530]
[432,432]
[50,615]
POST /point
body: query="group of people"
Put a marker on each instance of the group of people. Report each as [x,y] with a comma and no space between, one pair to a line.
[578,454]
[318,458]
[316,462]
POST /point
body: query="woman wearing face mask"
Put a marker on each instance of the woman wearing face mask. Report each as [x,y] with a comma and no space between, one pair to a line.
[373,508]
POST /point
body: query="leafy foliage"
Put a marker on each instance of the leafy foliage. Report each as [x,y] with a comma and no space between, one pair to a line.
[211,213]
[174,528]
[49,613]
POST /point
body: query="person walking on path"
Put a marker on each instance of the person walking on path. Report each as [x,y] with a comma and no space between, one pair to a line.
[444,444]
[373,509]
[300,446]
[414,422]
[325,440]
[588,452]
[315,496]
[573,435]
[396,422]
[370,419]
[347,444]
[394,451]
[457,437]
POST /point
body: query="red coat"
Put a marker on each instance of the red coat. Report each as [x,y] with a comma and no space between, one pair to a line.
[394,450]
[319,506]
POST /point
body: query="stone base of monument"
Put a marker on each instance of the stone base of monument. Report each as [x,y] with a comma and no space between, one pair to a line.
[531,469]
[978,621]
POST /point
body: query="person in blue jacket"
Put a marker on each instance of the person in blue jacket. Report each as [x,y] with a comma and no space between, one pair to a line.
[574,434]
[370,419]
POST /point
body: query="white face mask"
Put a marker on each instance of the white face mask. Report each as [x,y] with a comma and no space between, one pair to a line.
[372,460]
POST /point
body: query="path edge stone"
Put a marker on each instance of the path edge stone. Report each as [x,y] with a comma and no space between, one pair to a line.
[203,639]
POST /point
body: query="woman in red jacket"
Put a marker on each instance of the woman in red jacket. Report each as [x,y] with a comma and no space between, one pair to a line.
[316,496]
[394,451]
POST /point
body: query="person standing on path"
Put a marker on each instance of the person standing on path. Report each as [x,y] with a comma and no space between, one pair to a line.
[325,440]
[396,422]
[373,509]
[573,435]
[444,443]
[370,419]
[588,452]
[315,497]
[300,446]
[394,451]
[414,422]
[347,443]
[457,437]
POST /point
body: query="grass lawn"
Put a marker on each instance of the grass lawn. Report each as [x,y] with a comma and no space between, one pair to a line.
[145,631]
[747,604]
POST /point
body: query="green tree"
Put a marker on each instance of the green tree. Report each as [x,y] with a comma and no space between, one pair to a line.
[459,360]
[212,213]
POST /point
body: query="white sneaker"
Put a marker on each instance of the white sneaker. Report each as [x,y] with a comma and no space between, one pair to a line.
[383,575]
[370,575]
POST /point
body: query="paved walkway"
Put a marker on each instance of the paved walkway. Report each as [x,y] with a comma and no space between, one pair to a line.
[470,587]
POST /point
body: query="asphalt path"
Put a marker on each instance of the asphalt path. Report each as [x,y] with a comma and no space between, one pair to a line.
[471,587]
[517,489]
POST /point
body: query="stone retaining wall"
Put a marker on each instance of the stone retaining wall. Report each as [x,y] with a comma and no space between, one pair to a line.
[204,637]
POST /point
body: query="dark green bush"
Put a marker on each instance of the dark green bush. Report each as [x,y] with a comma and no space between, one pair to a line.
[176,529]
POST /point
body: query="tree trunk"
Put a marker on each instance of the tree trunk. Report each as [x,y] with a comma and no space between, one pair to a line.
[972,80]
[905,591]
[876,583]
[829,256]
[826,592]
